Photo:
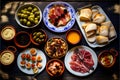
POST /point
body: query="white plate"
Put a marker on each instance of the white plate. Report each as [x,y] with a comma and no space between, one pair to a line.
[63,28]
[68,59]
[82,30]
[25,70]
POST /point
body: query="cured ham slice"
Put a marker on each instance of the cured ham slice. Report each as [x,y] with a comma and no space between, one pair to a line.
[81,61]
[58,15]
[79,67]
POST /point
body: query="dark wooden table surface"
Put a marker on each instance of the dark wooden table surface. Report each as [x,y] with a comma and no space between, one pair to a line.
[99,74]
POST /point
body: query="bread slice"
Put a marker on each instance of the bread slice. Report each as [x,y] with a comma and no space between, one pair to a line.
[84,25]
[91,27]
[90,33]
[112,32]
[99,18]
[104,30]
[85,14]
[102,39]
[94,12]
[92,38]
[98,30]
[107,23]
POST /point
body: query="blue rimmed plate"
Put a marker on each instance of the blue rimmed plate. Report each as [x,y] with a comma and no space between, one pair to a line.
[53,28]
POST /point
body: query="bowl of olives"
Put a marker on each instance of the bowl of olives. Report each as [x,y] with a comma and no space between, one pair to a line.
[28,15]
[38,37]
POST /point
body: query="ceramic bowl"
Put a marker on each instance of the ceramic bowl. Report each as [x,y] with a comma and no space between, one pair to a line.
[107,58]
[73,36]
[7,56]
[38,37]
[8,32]
[56,47]
[28,16]
[22,39]
[55,67]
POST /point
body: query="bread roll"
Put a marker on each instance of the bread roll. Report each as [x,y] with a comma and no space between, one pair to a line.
[98,30]
[90,33]
[94,12]
[91,27]
[104,30]
[102,39]
[107,23]
[85,14]
[112,32]
[92,38]
[99,18]
[84,25]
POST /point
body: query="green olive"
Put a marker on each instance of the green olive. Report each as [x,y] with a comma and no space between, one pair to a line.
[31,19]
[29,8]
[36,21]
[37,40]
[41,36]
[21,20]
[35,9]
[32,15]
[34,33]
[22,15]
[19,14]
[34,37]
[42,39]
[28,12]
[25,9]
[25,15]
[28,23]
[22,11]
[24,21]
[38,17]
[37,13]
[38,34]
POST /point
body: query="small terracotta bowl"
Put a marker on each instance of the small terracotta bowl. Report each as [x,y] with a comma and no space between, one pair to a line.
[7,56]
[38,37]
[73,36]
[55,67]
[8,30]
[22,39]
[107,58]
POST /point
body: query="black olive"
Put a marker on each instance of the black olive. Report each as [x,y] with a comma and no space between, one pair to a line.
[56,23]
[65,11]
[56,20]
[62,15]
[59,17]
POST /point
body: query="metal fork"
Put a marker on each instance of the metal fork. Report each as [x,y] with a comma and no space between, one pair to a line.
[81,58]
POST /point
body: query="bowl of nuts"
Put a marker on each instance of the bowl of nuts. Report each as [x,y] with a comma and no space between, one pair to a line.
[55,67]
[56,47]
[28,16]
[38,37]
